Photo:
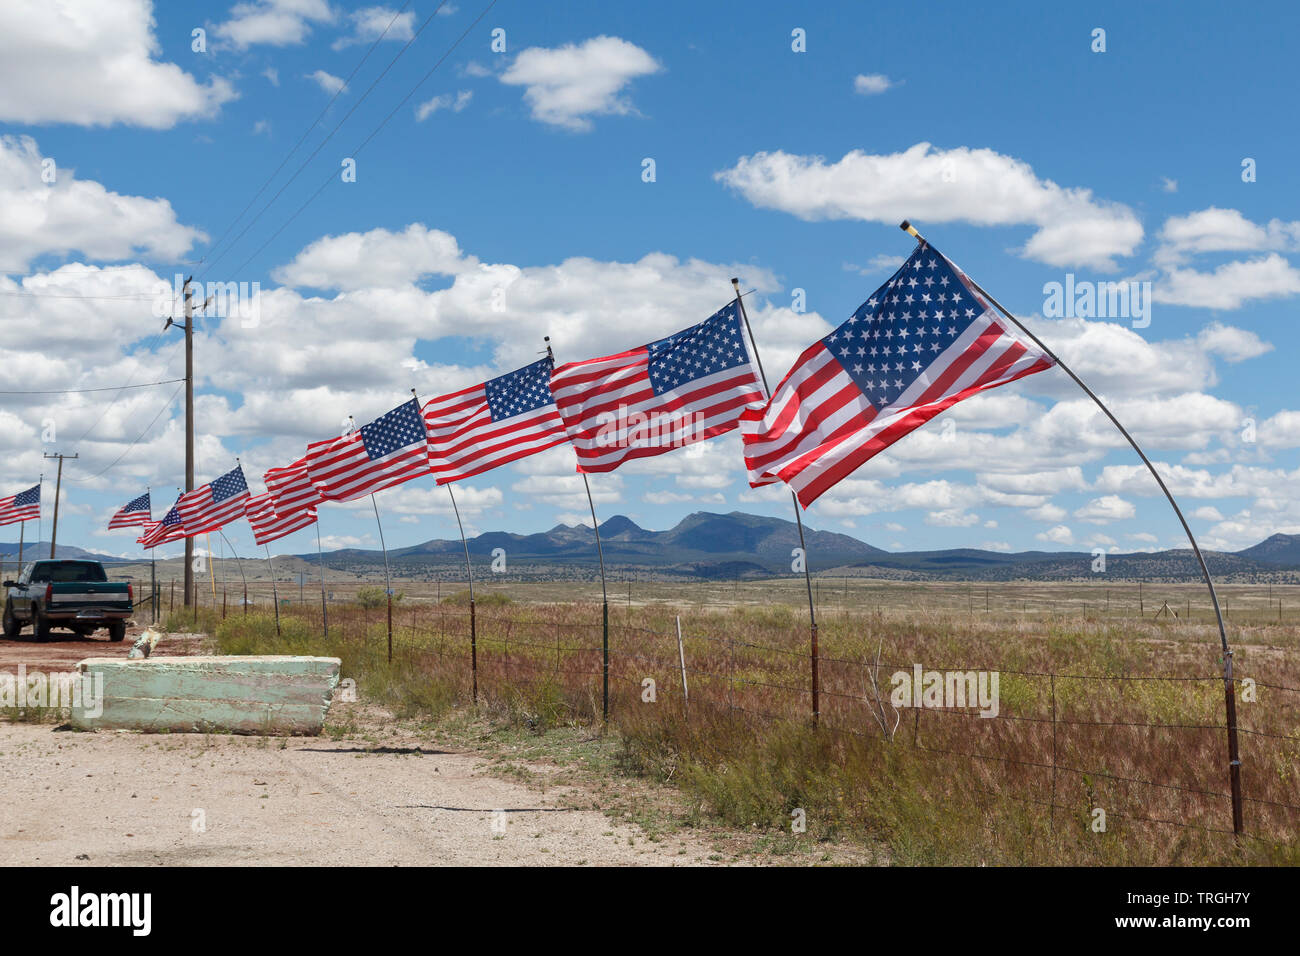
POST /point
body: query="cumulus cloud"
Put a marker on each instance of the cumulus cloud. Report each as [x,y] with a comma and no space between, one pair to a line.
[566,86]
[1106,509]
[326,81]
[70,214]
[93,64]
[372,23]
[979,186]
[273,22]
[443,101]
[375,259]
[1231,285]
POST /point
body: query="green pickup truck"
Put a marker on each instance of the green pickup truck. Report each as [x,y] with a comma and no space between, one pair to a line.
[76,595]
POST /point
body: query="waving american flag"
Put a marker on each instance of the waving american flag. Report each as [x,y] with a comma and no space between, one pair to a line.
[502,420]
[688,387]
[388,451]
[24,506]
[923,342]
[134,512]
[269,525]
[291,489]
[214,505]
[170,528]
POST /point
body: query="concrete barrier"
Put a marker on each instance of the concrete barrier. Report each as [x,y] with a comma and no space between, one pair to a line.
[261,694]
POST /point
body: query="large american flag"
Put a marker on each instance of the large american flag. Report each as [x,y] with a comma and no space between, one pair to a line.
[386,452]
[170,528]
[137,511]
[24,506]
[269,525]
[291,490]
[679,390]
[500,421]
[923,342]
[214,505]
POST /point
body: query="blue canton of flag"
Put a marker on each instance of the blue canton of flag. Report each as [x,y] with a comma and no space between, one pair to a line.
[29,497]
[895,335]
[523,390]
[228,485]
[396,429]
[713,346]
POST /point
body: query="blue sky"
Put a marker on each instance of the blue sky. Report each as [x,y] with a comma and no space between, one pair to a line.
[505,200]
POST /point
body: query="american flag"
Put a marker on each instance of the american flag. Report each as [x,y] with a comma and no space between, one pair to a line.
[388,451]
[24,506]
[214,505]
[500,421]
[291,490]
[137,511]
[679,390]
[923,342]
[170,528]
[269,525]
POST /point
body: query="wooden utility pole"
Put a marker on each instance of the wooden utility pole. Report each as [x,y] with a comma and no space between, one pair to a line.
[190,596]
[58,484]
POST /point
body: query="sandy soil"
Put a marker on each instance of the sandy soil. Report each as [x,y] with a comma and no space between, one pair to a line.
[118,798]
[121,798]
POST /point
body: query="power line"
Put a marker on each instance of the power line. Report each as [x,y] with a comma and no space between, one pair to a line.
[137,440]
[321,145]
[328,179]
[301,139]
[106,388]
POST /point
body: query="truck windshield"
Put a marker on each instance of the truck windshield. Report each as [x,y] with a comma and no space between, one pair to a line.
[60,572]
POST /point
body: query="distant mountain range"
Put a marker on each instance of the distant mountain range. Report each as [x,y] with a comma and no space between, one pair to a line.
[708,546]
[705,545]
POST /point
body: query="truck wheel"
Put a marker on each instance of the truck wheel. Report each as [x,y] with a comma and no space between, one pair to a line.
[117,630]
[39,623]
[11,625]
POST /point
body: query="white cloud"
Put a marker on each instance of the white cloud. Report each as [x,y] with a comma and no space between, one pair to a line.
[39,218]
[442,102]
[869,84]
[273,22]
[371,23]
[925,183]
[1231,285]
[1057,535]
[1168,185]
[568,85]
[1106,509]
[1221,230]
[1208,513]
[375,259]
[326,81]
[92,64]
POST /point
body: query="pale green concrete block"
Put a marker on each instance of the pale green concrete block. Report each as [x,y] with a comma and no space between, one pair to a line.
[256,694]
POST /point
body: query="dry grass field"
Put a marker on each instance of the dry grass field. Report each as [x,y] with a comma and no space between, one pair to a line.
[1108,747]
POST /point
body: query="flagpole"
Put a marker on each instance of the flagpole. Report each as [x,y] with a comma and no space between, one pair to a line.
[153,568]
[604,593]
[1230,698]
[238,563]
[275,596]
[40,506]
[388,586]
[22,531]
[473,628]
[320,555]
[798,518]
[604,598]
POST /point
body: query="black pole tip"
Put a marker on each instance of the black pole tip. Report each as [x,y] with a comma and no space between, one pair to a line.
[735,281]
[905,225]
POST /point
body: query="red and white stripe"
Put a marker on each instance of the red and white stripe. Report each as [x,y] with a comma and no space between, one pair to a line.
[201,514]
[291,490]
[596,397]
[819,428]
[464,441]
[129,519]
[269,525]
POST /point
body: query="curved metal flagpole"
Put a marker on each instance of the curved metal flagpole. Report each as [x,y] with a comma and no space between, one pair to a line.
[238,563]
[473,627]
[1230,697]
[275,595]
[798,517]
[320,556]
[604,592]
[388,584]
